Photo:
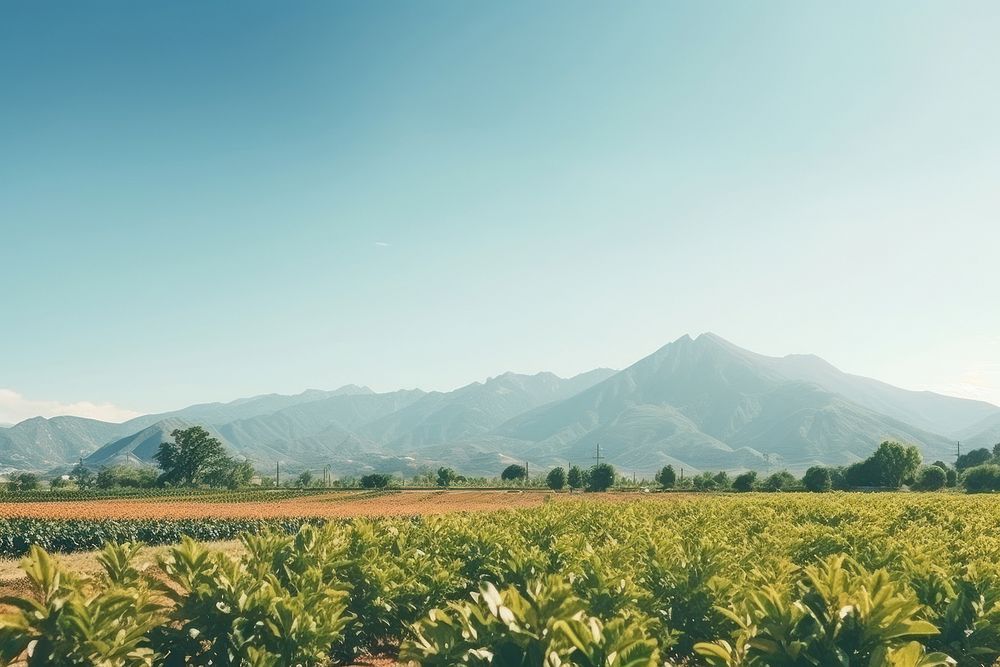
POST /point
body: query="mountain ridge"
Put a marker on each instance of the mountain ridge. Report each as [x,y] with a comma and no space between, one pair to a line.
[698,403]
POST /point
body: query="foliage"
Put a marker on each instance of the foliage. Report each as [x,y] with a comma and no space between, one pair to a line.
[446,476]
[513,472]
[375,481]
[897,463]
[892,465]
[574,477]
[83,477]
[75,621]
[23,481]
[780,481]
[126,477]
[931,478]
[835,610]
[556,479]
[304,480]
[817,479]
[601,477]
[975,457]
[745,481]
[796,579]
[193,456]
[666,477]
[982,478]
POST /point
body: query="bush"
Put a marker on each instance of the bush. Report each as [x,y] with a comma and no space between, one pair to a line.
[126,477]
[667,478]
[745,481]
[601,478]
[514,472]
[976,457]
[376,480]
[556,479]
[817,479]
[931,478]
[980,479]
[779,481]
[24,481]
[574,477]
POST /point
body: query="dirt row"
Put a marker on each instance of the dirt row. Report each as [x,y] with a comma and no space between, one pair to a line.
[327,505]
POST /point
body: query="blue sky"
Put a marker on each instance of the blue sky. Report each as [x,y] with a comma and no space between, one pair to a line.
[201,201]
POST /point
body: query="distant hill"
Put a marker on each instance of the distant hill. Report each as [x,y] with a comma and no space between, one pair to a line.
[707,404]
[697,403]
[39,444]
[985,433]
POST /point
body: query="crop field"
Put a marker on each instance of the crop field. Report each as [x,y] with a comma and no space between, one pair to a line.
[894,580]
[331,504]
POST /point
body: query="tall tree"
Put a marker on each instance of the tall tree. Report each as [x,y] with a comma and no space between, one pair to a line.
[556,479]
[897,463]
[192,456]
[602,477]
[575,477]
[512,472]
[667,478]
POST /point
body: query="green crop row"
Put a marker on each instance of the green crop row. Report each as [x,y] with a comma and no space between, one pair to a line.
[168,493]
[889,580]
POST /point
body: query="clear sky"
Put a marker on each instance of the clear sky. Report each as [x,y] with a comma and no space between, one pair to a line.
[206,200]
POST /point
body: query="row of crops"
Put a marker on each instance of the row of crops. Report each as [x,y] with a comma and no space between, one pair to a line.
[165,494]
[840,579]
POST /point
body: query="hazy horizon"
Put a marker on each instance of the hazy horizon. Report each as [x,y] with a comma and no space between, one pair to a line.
[200,202]
[116,414]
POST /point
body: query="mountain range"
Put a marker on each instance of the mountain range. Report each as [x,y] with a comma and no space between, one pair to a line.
[697,403]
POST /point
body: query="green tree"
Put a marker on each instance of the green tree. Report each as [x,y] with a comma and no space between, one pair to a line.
[982,478]
[190,457]
[59,483]
[897,463]
[817,479]
[556,479]
[780,481]
[24,481]
[667,478]
[931,478]
[231,475]
[575,477]
[513,472]
[745,481]
[976,457]
[375,481]
[446,477]
[304,480]
[722,480]
[82,476]
[123,476]
[601,477]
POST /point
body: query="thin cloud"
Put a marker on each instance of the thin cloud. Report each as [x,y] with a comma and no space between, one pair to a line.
[15,408]
[382,244]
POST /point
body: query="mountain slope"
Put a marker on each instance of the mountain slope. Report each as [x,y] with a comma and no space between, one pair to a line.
[140,447]
[473,410]
[40,443]
[985,433]
[709,404]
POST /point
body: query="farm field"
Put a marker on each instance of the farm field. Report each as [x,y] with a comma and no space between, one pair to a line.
[333,504]
[899,580]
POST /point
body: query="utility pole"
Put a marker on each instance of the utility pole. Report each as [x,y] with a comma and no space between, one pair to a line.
[277,473]
[598,457]
[958,450]
[525,472]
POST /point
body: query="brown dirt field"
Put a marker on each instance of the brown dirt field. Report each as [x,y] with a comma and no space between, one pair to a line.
[327,505]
